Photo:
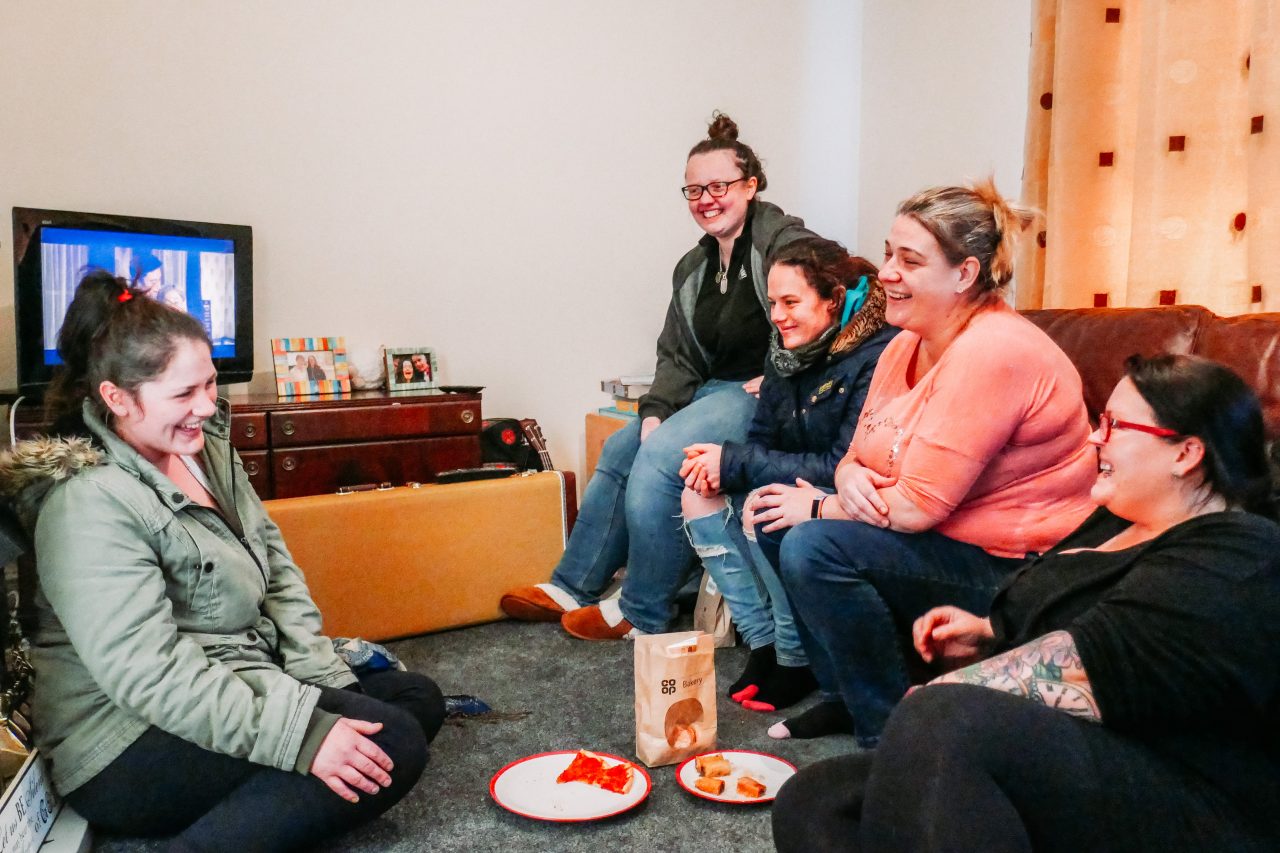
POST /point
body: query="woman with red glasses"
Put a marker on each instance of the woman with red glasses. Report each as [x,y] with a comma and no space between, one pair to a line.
[1124,693]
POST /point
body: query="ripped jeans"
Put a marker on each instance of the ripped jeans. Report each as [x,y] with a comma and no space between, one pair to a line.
[749,583]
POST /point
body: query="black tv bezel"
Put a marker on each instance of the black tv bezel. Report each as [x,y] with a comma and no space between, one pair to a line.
[28,303]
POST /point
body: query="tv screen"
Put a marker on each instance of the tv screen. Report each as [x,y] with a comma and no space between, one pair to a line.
[202,268]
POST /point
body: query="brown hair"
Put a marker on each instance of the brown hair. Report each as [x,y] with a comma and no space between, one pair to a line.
[113,333]
[825,263]
[722,135]
[972,222]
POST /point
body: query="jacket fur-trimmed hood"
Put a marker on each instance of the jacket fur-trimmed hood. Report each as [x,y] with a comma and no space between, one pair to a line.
[44,461]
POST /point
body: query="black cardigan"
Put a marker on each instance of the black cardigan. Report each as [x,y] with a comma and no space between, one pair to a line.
[1180,639]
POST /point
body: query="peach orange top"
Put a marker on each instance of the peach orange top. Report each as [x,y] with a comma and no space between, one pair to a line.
[991,441]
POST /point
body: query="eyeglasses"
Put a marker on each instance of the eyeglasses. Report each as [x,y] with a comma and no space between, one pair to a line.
[1106,424]
[693,192]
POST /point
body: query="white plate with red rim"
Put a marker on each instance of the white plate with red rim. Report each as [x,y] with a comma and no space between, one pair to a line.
[769,770]
[528,787]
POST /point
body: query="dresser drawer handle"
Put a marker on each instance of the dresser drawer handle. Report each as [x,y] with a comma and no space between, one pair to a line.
[288,428]
[468,416]
[289,463]
[252,468]
[250,430]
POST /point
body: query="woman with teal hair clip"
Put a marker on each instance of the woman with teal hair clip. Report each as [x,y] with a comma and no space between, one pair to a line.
[816,378]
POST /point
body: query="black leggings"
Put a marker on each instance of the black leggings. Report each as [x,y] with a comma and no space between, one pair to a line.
[967,768]
[162,785]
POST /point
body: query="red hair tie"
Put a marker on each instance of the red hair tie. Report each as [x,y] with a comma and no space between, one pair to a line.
[125,296]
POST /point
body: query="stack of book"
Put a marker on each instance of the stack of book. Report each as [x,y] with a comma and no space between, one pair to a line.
[626,391]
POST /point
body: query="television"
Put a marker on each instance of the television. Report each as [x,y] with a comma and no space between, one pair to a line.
[204,268]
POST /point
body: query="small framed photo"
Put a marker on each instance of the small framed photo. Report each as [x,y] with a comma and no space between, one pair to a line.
[310,366]
[410,368]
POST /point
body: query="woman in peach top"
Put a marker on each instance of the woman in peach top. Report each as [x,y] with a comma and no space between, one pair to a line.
[970,453]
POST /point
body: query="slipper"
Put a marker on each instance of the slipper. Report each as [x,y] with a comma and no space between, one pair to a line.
[530,604]
[587,623]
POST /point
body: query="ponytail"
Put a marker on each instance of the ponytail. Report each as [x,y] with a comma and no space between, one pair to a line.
[973,222]
[114,333]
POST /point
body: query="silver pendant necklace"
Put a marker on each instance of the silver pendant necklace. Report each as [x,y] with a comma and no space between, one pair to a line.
[722,279]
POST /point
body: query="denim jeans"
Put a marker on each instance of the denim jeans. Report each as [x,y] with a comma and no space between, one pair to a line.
[630,513]
[749,583]
[856,590]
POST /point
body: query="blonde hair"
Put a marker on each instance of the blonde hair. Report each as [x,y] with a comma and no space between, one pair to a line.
[973,222]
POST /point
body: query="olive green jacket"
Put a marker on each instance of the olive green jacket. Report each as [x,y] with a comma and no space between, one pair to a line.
[155,611]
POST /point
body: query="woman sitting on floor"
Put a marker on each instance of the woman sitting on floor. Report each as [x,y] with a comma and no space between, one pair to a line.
[183,684]
[971,452]
[1145,641]
[816,377]
[710,353]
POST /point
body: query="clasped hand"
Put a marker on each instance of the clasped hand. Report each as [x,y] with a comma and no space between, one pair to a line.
[956,636]
[783,506]
[857,489]
[348,759]
[701,469]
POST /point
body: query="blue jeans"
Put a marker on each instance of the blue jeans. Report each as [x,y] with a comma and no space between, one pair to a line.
[749,583]
[856,590]
[630,511]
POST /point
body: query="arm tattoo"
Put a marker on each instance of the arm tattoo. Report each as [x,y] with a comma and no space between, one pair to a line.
[1046,670]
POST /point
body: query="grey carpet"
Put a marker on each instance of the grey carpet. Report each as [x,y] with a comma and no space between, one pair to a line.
[580,696]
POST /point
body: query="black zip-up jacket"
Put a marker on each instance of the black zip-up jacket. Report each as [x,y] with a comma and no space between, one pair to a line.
[804,423]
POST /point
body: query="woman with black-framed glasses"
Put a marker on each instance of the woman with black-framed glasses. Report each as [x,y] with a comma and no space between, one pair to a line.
[1124,693]
[710,362]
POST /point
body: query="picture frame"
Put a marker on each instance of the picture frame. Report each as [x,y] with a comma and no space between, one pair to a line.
[411,368]
[310,366]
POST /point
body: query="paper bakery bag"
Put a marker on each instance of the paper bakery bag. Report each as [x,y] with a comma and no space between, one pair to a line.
[675,696]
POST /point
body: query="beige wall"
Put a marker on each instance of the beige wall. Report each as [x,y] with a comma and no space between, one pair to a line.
[499,179]
[944,88]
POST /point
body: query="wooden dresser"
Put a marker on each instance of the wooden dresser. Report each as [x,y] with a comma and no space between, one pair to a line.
[295,447]
[310,446]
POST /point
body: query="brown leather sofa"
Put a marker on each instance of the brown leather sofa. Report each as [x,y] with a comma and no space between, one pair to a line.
[1098,340]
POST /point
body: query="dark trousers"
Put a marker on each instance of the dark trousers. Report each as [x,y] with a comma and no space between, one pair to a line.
[965,768]
[163,785]
[856,589]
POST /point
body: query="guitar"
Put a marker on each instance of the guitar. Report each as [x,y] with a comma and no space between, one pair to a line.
[533,435]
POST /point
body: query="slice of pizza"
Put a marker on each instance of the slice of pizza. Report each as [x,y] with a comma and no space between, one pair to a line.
[617,778]
[585,767]
[590,768]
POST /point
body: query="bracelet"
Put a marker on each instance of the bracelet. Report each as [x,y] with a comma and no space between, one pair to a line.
[816,510]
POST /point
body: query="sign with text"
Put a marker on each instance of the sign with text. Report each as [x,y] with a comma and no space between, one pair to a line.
[28,808]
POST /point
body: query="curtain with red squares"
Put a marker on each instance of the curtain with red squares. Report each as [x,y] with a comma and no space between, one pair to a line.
[1153,148]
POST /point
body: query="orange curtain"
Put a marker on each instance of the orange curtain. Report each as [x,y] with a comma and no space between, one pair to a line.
[1153,147]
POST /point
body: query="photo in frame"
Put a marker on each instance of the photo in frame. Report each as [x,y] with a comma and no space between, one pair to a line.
[411,368]
[310,366]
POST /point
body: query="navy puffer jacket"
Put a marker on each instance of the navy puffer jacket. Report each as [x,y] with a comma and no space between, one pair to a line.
[804,423]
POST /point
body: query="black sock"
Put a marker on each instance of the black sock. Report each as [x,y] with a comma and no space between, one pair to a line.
[825,718]
[759,667]
[786,686]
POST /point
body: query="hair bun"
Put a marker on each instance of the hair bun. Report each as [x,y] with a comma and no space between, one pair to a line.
[722,127]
